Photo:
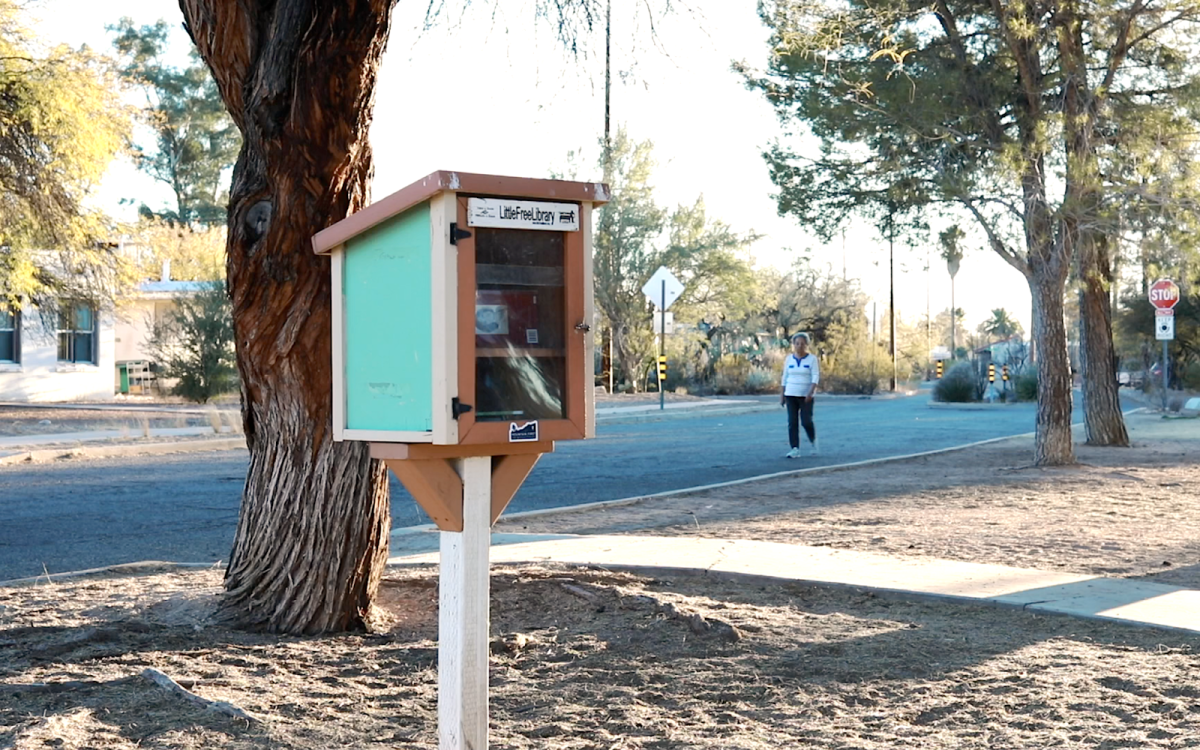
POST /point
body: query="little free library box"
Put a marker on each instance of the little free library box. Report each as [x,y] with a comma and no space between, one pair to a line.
[462,349]
[462,310]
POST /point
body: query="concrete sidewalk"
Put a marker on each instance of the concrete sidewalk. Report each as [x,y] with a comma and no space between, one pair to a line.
[1122,600]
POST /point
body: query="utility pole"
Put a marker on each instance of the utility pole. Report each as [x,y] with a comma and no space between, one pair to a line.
[608,147]
[874,343]
[892,287]
[928,319]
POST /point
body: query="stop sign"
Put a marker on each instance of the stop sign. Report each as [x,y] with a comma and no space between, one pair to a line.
[1164,294]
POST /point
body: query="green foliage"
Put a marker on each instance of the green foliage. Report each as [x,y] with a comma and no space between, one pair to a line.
[195,253]
[958,385]
[634,236]
[951,239]
[1001,325]
[1025,385]
[1191,377]
[196,139]
[194,343]
[61,125]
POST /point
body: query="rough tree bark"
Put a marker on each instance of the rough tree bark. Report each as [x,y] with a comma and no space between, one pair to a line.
[1052,445]
[1084,229]
[298,78]
[1103,421]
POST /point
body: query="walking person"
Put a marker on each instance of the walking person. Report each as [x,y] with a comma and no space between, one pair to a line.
[801,374]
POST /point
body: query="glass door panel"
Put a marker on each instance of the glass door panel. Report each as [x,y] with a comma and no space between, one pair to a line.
[520,325]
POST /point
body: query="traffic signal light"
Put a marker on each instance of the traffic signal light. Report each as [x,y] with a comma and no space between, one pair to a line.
[991,373]
[938,369]
[662,368]
[1004,373]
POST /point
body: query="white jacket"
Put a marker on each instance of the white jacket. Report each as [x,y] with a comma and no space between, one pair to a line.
[800,375]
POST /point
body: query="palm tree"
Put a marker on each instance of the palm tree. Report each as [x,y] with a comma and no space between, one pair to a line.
[1001,325]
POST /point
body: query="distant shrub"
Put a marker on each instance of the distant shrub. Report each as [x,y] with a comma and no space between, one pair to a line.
[1191,377]
[193,343]
[762,380]
[856,372]
[730,374]
[957,385]
[1026,385]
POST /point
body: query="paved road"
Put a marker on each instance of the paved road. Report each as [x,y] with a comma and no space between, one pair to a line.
[74,515]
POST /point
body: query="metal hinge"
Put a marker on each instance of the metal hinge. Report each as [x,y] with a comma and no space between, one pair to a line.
[457,234]
[458,408]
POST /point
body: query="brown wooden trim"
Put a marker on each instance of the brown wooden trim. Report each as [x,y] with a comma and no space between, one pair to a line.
[508,473]
[462,182]
[422,451]
[436,487]
[482,433]
[466,326]
[579,373]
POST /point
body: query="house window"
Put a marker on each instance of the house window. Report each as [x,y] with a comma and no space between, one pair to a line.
[10,326]
[77,333]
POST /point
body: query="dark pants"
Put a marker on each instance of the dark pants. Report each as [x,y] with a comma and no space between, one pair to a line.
[800,410]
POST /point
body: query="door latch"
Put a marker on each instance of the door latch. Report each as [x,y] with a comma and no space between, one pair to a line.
[582,327]
[458,408]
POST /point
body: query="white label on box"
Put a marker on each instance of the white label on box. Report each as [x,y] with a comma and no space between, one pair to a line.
[506,213]
[526,433]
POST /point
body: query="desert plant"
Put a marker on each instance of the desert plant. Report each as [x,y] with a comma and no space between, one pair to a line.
[958,385]
[762,380]
[730,374]
[854,376]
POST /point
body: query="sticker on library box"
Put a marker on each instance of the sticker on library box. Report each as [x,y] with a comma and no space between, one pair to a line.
[526,433]
[531,336]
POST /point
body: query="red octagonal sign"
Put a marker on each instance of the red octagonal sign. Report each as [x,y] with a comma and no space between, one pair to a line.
[1164,294]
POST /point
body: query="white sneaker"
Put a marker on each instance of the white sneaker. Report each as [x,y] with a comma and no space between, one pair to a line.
[793,453]
[815,451]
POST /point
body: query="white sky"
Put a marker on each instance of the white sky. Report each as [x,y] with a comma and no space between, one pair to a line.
[496,95]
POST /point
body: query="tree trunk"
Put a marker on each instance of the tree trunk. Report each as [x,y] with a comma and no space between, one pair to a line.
[1101,402]
[298,78]
[1053,445]
[1082,220]
[626,360]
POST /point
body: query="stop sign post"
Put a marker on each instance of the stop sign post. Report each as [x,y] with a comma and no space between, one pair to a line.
[1164,295]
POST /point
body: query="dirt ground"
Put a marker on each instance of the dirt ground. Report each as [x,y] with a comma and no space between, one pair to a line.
[16,420]
[589,658]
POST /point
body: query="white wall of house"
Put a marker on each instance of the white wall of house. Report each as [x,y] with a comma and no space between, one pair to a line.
[133,323]
[39,376]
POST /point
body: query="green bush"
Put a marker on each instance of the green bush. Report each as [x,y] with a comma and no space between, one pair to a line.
[1191,377]
[957,385]
[193,343]
[1025,385]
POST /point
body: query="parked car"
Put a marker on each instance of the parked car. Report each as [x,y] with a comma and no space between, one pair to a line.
[1131,378]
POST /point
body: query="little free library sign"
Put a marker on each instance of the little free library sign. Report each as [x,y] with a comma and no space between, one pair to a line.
[503,213]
